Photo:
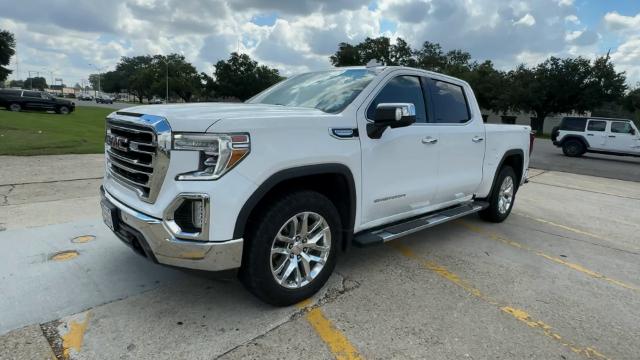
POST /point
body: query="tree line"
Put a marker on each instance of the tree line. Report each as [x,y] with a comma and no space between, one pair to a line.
[146,77]
[557,85]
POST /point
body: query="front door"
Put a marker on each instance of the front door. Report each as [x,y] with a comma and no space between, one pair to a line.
[622,137]
[461,141]
[400,169]
[597,134]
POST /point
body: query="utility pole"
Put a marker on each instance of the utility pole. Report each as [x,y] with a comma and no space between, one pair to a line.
[99,75]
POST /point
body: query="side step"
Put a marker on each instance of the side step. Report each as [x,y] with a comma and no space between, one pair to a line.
[396,230]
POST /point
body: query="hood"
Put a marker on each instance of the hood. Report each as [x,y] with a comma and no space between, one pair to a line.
[198,117]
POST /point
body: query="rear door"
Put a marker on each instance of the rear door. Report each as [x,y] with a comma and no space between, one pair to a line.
[597,134]
[461,140]
[622,137]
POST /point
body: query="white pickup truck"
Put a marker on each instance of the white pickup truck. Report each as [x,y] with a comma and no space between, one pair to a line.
[279,185]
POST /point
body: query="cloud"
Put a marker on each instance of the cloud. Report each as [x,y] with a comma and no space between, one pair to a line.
[615,21]
[299,35]
[527,20]
[582,38]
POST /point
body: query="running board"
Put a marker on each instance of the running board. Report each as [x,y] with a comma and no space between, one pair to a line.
[392,232]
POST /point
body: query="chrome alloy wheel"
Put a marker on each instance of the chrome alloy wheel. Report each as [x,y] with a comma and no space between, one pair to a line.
[300,250]
[505,196]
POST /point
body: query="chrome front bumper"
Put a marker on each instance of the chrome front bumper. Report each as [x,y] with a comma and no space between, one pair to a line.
[149,237]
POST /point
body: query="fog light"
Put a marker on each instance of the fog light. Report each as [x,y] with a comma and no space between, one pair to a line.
[188,217]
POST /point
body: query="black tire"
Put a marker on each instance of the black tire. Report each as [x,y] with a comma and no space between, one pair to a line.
[15,107]
[256,272]
[64,110]
[573,148]
[494,213]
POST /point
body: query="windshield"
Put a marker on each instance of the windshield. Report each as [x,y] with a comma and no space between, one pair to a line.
[330,91]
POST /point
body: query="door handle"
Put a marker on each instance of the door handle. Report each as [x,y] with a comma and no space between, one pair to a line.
[429,140]
[612,136]
[589,134]
[477,139]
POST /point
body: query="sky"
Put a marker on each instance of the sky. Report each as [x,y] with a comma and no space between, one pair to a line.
[70,39]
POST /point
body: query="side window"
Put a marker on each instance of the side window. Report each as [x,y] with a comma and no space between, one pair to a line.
[401,89]
[620,127]
[596,125]
[32,94]
[573,124]
[449,103]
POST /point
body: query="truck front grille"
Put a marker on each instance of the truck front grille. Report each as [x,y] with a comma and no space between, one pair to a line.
[135,157]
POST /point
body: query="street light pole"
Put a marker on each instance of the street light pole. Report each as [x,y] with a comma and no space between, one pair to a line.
[166,99]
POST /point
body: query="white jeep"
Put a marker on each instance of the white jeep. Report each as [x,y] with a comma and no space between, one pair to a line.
[281,184]
[578,135]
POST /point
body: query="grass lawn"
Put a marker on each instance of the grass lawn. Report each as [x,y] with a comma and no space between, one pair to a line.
[41,133]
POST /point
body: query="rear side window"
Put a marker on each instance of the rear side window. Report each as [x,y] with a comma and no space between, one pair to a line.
[573,124]
[621,127]
[33,94]
[449,103]
[597,125]
[401,89]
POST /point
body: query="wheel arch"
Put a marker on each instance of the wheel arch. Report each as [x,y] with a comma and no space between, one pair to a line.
[513,158]
[332,180]
[575,137]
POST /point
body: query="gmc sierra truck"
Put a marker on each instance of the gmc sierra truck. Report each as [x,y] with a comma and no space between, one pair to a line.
[279,185]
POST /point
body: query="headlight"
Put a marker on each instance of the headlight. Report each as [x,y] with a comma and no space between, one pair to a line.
[219,153]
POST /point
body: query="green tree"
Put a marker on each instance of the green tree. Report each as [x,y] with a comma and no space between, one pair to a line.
[184,80]
[431,57]
[7,50]
[490,86]
[138,75]
[241,77]
[379,49]
[564,85]
[347,55]
[16,84]
[36,83]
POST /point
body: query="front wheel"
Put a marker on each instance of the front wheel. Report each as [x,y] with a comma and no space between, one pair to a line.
[290,251]
[15,107]
[502,196]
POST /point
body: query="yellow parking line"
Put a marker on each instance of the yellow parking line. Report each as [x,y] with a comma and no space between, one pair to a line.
[337,342]
[565,227]
[72,340]
[518,314]
[570,265]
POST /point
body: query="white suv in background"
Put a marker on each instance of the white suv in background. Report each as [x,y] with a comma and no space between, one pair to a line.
[577,135]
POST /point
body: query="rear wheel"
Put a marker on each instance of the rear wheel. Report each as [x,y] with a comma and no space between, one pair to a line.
[15,107]
[573,148]
[502,196]
[64,110]
[291,250]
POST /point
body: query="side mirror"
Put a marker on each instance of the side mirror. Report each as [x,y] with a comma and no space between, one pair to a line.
[632,131]
[393,115]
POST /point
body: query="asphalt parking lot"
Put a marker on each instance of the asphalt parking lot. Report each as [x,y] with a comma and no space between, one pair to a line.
[557,280]
[548,157]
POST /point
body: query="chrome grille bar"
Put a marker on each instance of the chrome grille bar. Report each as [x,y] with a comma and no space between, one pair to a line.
[135,156]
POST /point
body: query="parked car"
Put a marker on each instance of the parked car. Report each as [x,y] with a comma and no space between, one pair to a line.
[279,185]
[579,135]
[156,101]
[104,99]
[17,100]
[85,97]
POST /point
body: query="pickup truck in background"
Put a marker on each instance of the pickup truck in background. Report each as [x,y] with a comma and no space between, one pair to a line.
[18,100]
[279,185]
[579,135]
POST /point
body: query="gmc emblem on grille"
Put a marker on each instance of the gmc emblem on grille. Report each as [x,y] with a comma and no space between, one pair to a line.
[117,142]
